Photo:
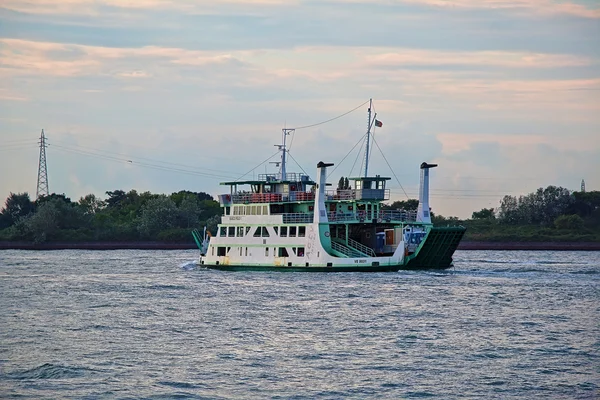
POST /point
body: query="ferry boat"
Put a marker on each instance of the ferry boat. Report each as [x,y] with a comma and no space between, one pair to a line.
[288,222]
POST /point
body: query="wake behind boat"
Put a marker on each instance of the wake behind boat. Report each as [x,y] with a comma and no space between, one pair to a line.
[288,222]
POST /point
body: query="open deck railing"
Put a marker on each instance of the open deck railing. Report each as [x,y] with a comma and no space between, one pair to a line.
[298,218]
[250,198]
[290,176]
[330,195]
[360,216]
[358,194]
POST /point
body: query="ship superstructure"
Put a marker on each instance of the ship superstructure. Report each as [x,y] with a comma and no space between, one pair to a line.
[286,221]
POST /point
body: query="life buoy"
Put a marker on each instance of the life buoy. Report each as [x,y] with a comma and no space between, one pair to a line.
[293,188]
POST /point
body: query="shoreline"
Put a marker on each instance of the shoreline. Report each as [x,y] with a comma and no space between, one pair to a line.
[465,245]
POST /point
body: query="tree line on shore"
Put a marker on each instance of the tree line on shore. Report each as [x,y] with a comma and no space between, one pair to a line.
[122,216]
[550,214]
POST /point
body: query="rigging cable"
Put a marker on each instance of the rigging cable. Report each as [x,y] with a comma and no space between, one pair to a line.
[292,157]
[332,119]
[358,155]
[397,180]
[257,166]
[347,154]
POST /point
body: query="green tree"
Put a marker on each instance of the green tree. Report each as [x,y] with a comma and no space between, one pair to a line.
[509,210]
[158,214]
[44,223]
[573,221]
[16,206]
[407,205]
[189,211]
[90,204]
[115,198]
[485,213]
[585,203]
[343,184]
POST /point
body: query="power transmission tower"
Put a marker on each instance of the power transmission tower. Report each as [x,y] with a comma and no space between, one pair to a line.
[42,181]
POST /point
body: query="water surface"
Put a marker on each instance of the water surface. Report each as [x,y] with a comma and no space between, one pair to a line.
[149,324]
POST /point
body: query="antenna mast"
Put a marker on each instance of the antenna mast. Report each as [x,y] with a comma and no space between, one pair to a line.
[285,132]
[42,180]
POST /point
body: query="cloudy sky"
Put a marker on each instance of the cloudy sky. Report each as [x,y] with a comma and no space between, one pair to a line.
[167,95]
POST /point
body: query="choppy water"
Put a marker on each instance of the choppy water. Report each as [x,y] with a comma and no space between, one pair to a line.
[149,324]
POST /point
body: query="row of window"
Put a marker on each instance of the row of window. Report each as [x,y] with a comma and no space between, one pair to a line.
[279,251]
[248,210]
[261,231]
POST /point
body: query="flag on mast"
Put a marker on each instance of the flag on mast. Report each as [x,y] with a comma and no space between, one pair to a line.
[378,123]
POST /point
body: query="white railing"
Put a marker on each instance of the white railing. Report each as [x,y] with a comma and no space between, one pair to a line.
[361,247]
[348,252]
[295,218]
[358,194]
[290,176]
[361,216]
[397,215]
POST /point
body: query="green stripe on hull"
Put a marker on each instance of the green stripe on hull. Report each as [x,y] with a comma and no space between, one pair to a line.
[360,268]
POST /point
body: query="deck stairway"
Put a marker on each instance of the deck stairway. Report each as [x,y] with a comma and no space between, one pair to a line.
[352,249]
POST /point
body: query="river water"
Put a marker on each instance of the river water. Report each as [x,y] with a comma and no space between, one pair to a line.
[149,324]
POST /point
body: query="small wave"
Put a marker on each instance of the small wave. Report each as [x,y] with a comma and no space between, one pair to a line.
[178,385]
[50,371]
[189,265]
[590,272]
[490,261]
[520,270]
[518,262]
[167,287]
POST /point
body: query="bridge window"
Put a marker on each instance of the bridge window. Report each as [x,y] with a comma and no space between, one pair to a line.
[223,231]
[240,231]
[284,231]
[257,232]
[276,229]
[265,232]
[301,231]
[231,232]
[292,231]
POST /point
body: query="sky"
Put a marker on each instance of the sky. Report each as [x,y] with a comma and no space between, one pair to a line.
[166,95]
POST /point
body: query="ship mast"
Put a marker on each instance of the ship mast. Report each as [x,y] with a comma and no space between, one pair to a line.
[368,139]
